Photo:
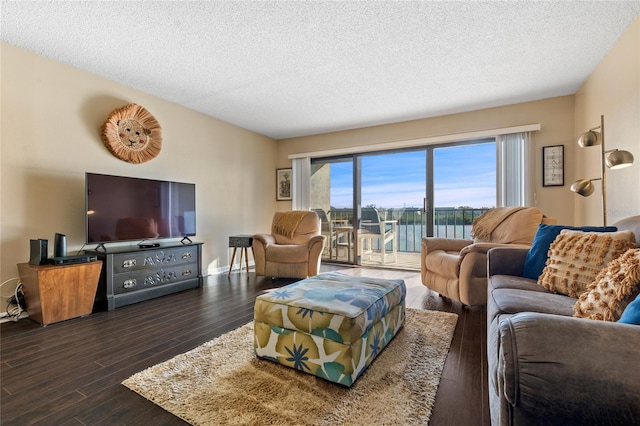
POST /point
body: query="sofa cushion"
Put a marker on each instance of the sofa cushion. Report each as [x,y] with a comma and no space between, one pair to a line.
[576,258]
[287,253]
[538,253]
[631,314]
[518,283]
[612,290]
[513,301]
[445,263]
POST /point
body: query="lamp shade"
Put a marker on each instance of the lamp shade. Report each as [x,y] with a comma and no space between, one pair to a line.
[590,138]
[618,159]
[582,187]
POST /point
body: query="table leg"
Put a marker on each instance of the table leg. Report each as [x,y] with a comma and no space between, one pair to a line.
[246,259]
[233,256]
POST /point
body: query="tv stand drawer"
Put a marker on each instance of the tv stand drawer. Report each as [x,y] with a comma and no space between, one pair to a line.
[133,281]
[150,259]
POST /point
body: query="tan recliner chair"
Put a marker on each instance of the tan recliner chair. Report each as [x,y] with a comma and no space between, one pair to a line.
[294,247]
[457,269]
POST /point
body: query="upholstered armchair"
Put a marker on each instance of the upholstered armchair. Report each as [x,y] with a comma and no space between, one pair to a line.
[457,268]
[294,247]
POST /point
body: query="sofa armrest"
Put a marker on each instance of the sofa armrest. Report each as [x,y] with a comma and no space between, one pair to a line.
[483,248]
[265,239]
[430,244]
[506,260]
[557,367]
[318,239]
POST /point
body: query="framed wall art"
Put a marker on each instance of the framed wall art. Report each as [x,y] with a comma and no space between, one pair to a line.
[283,184]
[553,165]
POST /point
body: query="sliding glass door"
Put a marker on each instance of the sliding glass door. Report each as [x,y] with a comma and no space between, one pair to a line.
[393,188]
[332,195]
[464,177]
[375,208]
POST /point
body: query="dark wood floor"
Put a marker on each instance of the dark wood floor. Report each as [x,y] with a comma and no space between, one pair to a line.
[69,373]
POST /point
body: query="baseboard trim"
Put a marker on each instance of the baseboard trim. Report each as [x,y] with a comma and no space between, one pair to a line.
[225,269]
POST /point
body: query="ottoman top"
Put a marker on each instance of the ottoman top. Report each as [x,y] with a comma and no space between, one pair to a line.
[345,305]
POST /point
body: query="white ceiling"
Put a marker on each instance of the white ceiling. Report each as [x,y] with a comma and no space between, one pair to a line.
[286,69]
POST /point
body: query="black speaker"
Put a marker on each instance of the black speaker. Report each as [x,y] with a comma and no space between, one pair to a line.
[60,246]
[39,252]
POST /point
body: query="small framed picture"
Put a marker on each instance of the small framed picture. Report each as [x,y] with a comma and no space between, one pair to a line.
[283,184]
[553,165]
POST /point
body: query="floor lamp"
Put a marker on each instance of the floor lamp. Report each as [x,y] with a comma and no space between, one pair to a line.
[613,159]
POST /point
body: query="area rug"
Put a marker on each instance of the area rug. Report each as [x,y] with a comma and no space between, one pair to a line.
[222,382]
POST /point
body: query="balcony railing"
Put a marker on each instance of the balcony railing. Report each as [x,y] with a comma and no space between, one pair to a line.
[448,222]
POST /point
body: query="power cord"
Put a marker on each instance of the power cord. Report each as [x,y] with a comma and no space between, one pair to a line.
[16,303]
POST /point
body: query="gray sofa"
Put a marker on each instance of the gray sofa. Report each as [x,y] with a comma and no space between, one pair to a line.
[546,367]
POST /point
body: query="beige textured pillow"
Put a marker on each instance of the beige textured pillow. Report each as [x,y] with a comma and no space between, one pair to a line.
[576,258]
[613,289]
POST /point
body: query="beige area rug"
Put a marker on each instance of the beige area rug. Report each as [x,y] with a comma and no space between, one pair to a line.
[222,382]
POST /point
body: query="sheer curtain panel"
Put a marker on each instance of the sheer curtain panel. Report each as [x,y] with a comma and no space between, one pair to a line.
[300,197]
[514,180]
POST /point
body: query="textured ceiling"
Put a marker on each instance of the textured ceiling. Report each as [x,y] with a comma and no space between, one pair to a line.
[286,69]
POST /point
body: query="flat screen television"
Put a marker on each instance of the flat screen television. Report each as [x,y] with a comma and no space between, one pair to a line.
[122,208]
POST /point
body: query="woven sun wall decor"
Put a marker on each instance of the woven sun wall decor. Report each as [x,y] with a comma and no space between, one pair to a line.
[132,134]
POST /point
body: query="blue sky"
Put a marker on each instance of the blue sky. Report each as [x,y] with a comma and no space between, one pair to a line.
[464,176]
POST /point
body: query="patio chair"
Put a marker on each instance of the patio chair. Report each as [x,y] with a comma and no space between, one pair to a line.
[326,229]
[374,228]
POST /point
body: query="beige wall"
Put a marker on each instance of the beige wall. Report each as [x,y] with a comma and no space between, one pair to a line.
[51,117]
[555,116]
[612,90]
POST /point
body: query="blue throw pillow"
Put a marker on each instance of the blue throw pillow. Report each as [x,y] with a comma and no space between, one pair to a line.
[537,256]
[631,314]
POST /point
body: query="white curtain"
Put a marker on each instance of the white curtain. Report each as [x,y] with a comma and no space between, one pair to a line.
[515,170]
[300,197]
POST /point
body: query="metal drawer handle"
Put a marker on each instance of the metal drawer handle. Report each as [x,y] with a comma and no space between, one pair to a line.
[129,263]
[186,255]
[130,283]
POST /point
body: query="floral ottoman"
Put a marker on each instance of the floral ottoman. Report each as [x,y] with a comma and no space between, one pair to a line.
[331,325]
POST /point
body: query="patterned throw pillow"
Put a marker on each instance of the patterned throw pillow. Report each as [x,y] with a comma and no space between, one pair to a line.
[575,258]
[537,255]
[613,289]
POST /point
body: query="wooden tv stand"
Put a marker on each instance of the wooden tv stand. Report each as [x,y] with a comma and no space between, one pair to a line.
[131,274]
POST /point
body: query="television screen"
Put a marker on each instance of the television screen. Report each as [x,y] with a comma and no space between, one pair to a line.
[122,208]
